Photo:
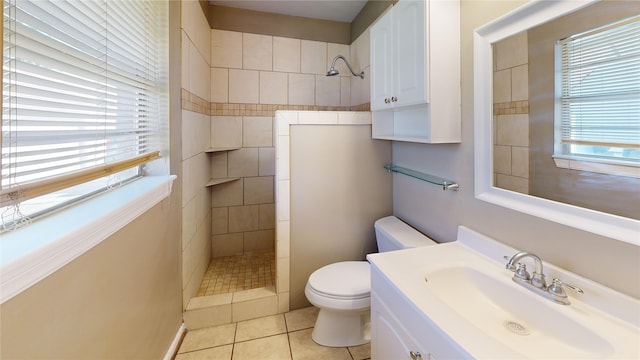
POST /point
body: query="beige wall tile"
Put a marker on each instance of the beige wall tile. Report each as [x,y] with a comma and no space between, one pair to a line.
[502,86]
[227,194]
[218,165]
[226,49]
[219,220]
[313,56]
[357,91]
[226,131]
[273,88]
[243,162]
[267,161]
[258,240]
[219,85]
[252,309]
[302,89]
[195,133]
[244,86]
[227,244]
[257,131]
[258,190]
[345,91]
[513,130]
[512,51]
[327,90]
[200,74]
[502,159]
[512,183]
[207,317]
[520,83]
[267,216]
[286,54]
[334,50]
[520,166]
[257,52]
[244,218]
[185,51]
[360,57]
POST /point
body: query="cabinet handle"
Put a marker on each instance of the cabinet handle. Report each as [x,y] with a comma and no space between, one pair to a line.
[415,355]
[386,100]
[394,99]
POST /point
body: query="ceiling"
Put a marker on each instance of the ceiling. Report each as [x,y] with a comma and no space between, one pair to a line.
[336,10]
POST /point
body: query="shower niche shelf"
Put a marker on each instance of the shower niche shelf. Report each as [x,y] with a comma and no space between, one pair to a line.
[221,149]
[211,150]
[431,179]
[214,182]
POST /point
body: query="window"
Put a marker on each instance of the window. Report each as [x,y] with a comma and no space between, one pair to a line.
[84,83]
[598,99]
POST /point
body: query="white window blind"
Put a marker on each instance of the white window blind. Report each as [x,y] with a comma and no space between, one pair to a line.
[600,87]
[82,91]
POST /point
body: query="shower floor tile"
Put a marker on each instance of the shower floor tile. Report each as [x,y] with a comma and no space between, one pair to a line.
[229,274]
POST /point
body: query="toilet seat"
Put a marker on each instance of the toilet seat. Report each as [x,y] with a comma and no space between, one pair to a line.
[342,280]
[342,286]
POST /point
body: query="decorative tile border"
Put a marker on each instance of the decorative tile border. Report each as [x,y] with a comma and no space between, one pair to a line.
[197,104]
[511,108]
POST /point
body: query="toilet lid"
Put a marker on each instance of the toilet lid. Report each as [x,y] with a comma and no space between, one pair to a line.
[343,279]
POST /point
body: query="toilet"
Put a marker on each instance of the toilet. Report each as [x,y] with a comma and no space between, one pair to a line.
[342,291]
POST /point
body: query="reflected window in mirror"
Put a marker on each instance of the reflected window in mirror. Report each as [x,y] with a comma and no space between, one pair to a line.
[597,91]
[524,112]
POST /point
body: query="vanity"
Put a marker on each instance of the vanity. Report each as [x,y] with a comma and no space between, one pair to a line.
[458,300]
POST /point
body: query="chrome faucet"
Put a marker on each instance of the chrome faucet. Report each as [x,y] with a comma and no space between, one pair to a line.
[537,279]
[536,282]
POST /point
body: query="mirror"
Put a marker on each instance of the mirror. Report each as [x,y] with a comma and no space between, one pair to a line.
[489,183]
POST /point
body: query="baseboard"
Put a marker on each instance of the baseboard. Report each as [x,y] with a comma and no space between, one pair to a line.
[173,349]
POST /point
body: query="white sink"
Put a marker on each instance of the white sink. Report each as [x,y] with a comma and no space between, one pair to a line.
[465,290]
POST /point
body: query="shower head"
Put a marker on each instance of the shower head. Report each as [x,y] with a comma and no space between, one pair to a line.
[332,70]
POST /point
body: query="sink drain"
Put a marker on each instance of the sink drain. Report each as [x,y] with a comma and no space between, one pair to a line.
[516,328]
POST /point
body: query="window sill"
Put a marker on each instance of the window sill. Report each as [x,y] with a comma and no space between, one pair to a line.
[29,256]
[597,165]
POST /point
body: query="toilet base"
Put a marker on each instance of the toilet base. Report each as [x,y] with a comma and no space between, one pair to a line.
[342,328]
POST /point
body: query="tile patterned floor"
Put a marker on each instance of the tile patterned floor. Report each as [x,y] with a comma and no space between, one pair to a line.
[229,274]
[279,337]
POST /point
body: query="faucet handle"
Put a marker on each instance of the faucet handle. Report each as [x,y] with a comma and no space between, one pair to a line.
[521,272]
[557,288]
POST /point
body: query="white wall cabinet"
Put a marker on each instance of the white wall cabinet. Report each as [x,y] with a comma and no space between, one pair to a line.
[415,72]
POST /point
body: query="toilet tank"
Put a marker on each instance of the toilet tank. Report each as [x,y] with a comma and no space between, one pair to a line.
[393,234]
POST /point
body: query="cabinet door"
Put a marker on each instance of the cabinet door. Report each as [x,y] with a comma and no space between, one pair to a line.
[381,63]
[410,48]
[390,341]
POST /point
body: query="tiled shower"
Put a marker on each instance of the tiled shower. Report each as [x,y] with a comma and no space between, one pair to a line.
[232,84]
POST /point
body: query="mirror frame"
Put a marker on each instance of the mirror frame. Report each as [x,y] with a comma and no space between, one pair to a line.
[527,16]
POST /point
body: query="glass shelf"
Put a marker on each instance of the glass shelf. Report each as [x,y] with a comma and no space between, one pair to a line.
[446,184]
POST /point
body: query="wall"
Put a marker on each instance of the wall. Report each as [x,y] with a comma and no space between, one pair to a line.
[127,287]
[252,76]
[195,127]
[119,300]
[438,213]
[333,220]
